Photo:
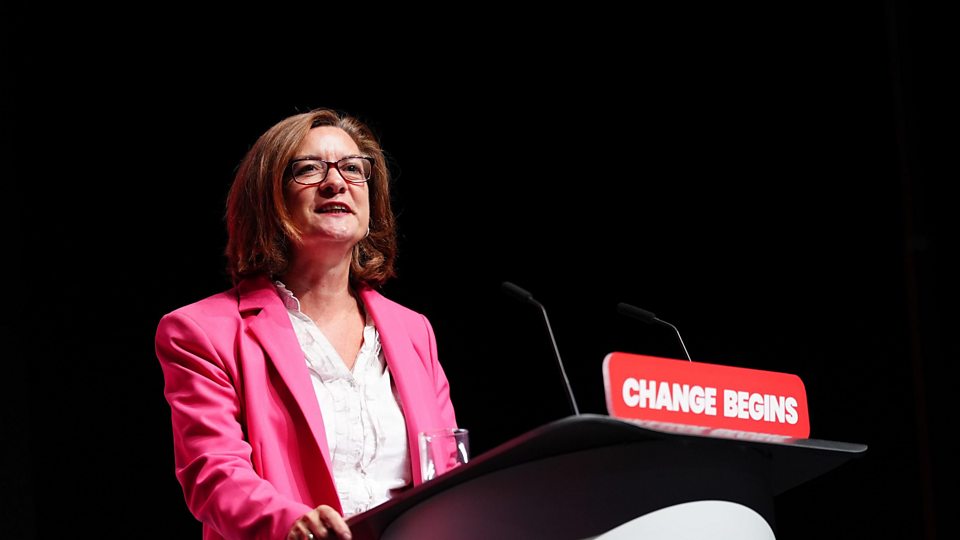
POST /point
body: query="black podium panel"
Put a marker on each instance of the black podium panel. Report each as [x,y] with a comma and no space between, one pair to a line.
[583,475]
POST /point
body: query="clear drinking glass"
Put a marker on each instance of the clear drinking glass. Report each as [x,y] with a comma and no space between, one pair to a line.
[441,450]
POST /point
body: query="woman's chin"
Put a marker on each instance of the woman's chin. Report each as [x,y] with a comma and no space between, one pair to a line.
[347,237]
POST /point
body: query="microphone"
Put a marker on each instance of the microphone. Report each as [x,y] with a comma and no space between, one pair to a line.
[649,318]
[525,296]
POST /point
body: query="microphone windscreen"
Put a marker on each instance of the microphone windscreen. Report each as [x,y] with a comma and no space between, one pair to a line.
[514,290]
[637,313]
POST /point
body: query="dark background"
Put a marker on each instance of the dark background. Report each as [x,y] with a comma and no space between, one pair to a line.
[775,181]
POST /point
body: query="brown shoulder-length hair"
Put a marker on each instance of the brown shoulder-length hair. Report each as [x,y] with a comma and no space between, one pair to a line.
[259,226]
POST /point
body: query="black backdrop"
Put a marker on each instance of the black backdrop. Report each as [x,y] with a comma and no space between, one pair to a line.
[773,181]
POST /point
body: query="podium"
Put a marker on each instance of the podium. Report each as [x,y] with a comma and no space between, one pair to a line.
[594,476]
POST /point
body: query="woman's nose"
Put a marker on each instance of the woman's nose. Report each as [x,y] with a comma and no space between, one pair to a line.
[334,182]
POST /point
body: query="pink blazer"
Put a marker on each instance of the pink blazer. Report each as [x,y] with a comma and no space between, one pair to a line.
[248,434]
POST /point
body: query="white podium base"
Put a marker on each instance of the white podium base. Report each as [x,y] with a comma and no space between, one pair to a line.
[714,520]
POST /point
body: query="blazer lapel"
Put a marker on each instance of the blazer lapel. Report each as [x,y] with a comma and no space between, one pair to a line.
[406,370]
[271,327]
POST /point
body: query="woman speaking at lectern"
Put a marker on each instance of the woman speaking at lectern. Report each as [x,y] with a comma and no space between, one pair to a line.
[297,395]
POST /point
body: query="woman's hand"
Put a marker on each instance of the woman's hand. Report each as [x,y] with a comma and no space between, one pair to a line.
[321,522]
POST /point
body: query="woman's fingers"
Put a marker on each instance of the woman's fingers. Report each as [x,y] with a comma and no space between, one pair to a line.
[332,521]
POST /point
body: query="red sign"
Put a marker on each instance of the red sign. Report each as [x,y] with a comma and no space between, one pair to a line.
[706,399]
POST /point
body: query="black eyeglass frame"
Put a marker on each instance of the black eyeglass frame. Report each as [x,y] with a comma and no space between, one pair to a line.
[330,164]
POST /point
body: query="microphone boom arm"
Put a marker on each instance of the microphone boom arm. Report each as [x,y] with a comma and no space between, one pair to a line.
[556,351]
[649,318]
[525,296]
[678,337]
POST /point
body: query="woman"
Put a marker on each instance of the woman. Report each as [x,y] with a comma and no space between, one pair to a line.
[296,396]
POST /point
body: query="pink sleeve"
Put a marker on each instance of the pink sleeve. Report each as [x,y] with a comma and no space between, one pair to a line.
[213,458]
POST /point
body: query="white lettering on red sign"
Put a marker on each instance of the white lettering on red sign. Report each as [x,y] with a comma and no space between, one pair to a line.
[675,397]
[755,406]
[671,397]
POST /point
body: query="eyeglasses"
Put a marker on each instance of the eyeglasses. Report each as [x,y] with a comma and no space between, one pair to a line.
[310,171]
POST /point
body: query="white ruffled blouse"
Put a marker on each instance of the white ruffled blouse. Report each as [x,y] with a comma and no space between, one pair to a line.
[362,418]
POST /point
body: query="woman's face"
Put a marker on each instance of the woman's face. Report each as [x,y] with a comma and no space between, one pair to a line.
[334,210]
